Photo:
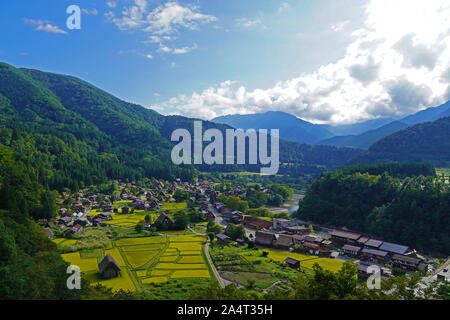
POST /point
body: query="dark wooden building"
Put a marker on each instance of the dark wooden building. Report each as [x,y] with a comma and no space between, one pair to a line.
[109,268]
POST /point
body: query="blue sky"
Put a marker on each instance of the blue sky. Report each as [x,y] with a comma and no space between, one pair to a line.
[323,60]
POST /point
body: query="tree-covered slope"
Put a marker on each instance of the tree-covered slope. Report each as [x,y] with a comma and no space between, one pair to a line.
[412,211]
[77,134]
[426,142]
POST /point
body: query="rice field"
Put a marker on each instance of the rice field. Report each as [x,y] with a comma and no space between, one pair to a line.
[64,241]
[154,280]
[306,261]
[139,241]
[124,281]
[140,258]
[174,206]
[145,261]
[190,274]
[85,265]
[177,266]
[116,255]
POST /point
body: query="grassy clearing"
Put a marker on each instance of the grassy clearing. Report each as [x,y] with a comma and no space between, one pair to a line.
[176,289]
[90,238]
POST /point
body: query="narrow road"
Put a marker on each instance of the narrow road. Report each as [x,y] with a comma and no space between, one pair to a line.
[222,282]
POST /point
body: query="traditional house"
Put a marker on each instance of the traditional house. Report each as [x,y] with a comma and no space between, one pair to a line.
[235,217]
[49,232]
[443,275]
[164,220]
[105,216]
[373,244]
[361,241]
[109,268]
[256,223]
[297,230]
[351,251]
[265,238]
[394,248]
[363,272]
[125,210]
[341,237]
[374,255]
[292,263]
[209,215]
[284,242]
[224,210]
[223,238]
[408,262]
[311,248]
[65,221]
[280,223]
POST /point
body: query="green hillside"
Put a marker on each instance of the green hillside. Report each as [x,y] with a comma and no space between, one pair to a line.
[426,142]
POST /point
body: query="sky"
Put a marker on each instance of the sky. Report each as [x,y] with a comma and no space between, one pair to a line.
[325,61]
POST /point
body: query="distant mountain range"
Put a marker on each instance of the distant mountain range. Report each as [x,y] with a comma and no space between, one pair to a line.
[291,128]
[359,136]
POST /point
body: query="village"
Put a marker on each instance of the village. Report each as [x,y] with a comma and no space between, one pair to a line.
[154,244]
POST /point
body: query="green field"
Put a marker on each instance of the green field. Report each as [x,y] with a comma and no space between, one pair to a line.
[174,206]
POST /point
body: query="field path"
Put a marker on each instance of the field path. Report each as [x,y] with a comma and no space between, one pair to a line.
[222,282]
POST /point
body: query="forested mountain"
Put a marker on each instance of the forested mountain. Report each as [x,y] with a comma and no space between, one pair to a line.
[423,142]
[412,211]
[291,128]
[366,139]
[75,134]
[358,128]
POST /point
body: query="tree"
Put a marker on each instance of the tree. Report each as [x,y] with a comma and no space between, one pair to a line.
[148,218]
[235,231]
[139,227]
[181,220]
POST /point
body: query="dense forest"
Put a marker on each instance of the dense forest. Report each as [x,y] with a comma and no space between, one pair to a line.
[428,142]
[412,211]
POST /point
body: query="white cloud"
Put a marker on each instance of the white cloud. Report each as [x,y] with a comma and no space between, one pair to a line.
[93,12]
[251,23]
[46,26]
[397,63]
[148,55]
[111,4]
[284,6]
[339,26]
[162,20]
[182,50]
